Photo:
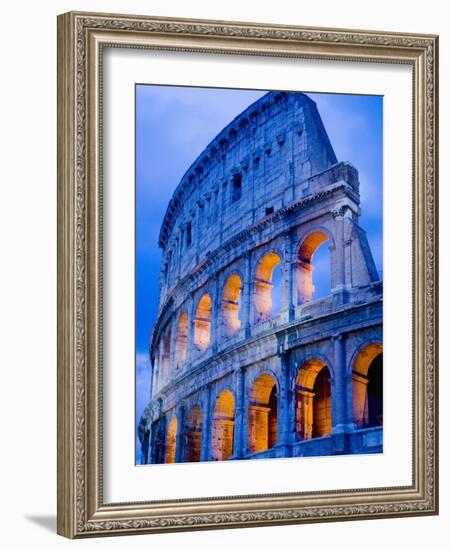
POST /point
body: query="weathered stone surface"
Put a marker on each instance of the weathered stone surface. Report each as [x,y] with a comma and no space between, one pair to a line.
[266,192]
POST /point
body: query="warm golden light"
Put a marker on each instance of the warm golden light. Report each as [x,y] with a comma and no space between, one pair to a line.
[223,427]
[181,341]
[202,323]
[262,414]
[361,378]
[313,400]
[171,441]
[194,435]
[263,285]
[230,305]
[305,286]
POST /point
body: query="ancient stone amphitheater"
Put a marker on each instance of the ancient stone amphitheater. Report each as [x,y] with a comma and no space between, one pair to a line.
[244,367]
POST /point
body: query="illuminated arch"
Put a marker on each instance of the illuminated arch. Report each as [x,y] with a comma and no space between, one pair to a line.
[223,426]
[263,414]
[367,386]
[305,284]
[202,322]
[171,441]
[313,400]
[194,435]
[263,286]
[230,305]
[181,343]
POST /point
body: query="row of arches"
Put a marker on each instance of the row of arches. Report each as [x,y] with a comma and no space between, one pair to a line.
[312,410]
[265,302]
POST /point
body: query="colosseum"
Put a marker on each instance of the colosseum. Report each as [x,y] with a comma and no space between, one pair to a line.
[247,365]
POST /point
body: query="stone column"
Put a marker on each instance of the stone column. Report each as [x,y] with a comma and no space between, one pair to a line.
[179,449]
[338,264]
[239,413]
[191,326]
[205,453]
[222,206]
[180,250]
[348,267]
[304,282]
[215,316]
[358,384]
[340,422]
[258,428]
[173,341]
[304,404]
[286,422]
[287,299]
[247,295]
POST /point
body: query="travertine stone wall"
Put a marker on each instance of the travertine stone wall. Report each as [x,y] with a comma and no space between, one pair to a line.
[264,195]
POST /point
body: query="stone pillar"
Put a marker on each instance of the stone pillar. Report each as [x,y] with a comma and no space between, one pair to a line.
[222,207]
[239,414]
[179,449]
[145,447]
[304,413]
[348,267]
[305,288]
[247,295]
[359,403]
[205,453]
[340,422]
[287,298]
[222,438]
[191,326]
[215,316]
[258,416]
[286,422]
[180,250]
[172,356]
[338,254]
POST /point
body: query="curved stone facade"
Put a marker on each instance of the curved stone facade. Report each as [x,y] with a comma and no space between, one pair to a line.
[237,373]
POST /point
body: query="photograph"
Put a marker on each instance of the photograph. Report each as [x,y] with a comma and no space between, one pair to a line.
[247,274]
[259,274]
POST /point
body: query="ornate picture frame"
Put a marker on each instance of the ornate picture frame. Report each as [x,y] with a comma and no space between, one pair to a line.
[82,40]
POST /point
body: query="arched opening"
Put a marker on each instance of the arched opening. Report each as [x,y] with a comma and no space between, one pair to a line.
[181,341]
[202,323]
[263,414]
[230,305]
[367,387]
[313,400]
[267,287]
[223,427]
[375,391]
[194,435]
[313,268]
[171,441]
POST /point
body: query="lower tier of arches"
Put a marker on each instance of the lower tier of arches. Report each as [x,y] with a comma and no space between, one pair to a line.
[316,408]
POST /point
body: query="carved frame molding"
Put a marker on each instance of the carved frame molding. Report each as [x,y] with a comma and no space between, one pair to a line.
[81,37]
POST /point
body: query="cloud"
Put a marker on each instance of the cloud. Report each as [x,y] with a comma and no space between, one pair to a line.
[142,361]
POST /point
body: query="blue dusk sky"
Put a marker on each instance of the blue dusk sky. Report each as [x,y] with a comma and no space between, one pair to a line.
[175,124]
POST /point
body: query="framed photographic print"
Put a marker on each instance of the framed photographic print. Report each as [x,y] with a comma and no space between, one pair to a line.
[247,274]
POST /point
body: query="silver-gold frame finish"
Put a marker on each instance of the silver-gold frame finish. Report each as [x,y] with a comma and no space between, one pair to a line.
[81,39]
